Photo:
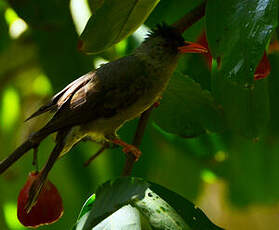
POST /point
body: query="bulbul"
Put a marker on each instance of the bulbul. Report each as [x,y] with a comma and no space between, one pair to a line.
[97,104]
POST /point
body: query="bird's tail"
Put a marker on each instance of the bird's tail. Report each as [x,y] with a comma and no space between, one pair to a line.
[39,182]
[32,142]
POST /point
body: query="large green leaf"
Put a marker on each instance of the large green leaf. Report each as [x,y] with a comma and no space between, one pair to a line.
[238,31]
[196,68]
[95,5]
[113,195]
[126,217]
[170,212]
[191,214]
[186,109]
[238,34]
[159,213]
[114,21]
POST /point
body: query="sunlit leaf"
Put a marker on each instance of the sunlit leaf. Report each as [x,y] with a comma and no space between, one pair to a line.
[113,195]
[159,207]
[10,108]
[159,213]
[114,21]
[10,214]
[126,217]
[42,86]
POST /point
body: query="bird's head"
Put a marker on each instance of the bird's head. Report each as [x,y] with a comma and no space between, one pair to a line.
[166,43]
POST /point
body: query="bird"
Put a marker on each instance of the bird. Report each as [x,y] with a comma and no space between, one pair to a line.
[98,103]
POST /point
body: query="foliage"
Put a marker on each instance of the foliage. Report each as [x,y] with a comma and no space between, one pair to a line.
[162,208]
[232,117]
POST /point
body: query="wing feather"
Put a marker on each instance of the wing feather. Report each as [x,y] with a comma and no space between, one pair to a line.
[61,97]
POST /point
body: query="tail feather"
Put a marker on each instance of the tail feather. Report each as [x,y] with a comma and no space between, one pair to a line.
[32,142]
[18,153]
[38,184]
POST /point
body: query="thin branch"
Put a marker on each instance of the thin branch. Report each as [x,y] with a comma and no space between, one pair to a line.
[190,18]
[100,151]
[130,160]
[182,24]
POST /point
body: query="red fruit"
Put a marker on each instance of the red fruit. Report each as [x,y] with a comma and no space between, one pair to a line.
[47,210]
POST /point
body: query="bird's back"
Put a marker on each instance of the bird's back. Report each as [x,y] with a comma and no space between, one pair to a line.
[101,94]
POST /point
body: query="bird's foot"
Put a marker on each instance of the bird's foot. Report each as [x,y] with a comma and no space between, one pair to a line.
[127,148]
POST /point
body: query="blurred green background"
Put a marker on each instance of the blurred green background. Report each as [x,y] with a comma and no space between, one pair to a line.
[233,179]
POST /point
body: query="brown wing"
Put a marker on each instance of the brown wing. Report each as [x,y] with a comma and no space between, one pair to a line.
[60,98]
[114,86]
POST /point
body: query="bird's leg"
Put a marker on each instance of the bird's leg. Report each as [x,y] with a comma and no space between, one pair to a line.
[127,148]
[39,182]
[35,158]
[102,149]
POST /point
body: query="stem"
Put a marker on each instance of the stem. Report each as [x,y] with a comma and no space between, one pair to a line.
[35,159]
[100,151]
[181,25]
[130,160]
[190,18]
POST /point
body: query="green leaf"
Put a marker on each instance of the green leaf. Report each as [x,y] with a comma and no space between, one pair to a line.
[110,208]
[246,108]
[239,33]
[95,5]
[114,21]
[191,214]
[87,206]
[113,195]
[126,217]
[187,110]
[196,68]
[159,213]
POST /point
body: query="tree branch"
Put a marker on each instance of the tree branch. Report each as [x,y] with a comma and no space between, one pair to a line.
[190,18]
[181,25]
[130,160]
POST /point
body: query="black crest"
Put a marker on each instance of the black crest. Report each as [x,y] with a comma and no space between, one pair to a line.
[167,32]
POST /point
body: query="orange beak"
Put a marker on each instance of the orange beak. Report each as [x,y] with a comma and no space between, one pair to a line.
[191,47]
